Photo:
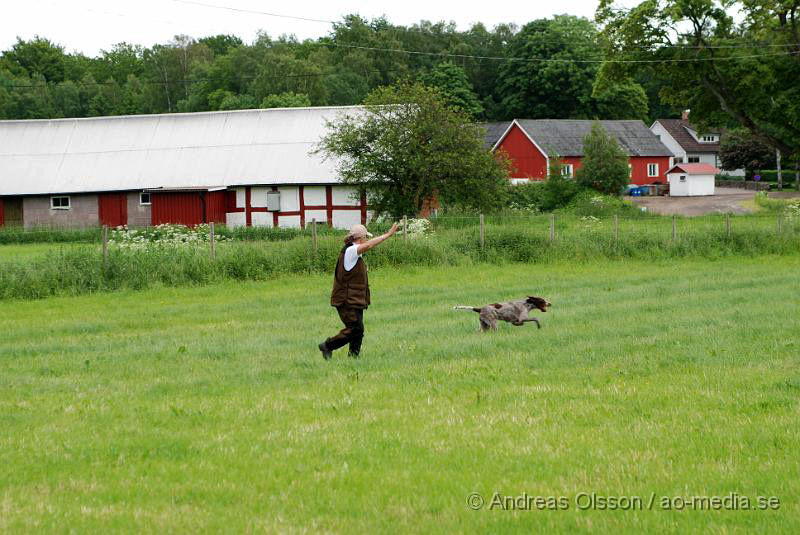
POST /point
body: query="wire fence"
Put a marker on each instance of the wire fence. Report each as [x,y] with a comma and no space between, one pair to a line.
[553,227]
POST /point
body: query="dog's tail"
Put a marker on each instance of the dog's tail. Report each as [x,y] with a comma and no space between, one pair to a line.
[466,307]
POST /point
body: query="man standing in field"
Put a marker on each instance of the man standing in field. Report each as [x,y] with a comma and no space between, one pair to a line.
[350,293]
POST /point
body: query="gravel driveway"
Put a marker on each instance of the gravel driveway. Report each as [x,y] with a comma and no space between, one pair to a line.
[725,200]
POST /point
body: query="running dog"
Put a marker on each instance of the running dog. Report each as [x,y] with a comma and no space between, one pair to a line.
[514,312]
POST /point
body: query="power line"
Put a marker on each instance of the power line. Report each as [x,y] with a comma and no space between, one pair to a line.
[333,22]
[252,11]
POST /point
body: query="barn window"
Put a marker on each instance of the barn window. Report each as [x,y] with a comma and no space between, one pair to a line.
[566,170]
[59,203]
[683,178]
[652,169]
[694,159]
[144,198]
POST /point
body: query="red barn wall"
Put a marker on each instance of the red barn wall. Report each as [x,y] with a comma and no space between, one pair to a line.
[113,209]
[216,206]
[189,208]
[527,160]
[179,208]
[639,169]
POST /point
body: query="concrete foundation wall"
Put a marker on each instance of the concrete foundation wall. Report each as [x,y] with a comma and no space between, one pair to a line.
[138,215]
[83,212]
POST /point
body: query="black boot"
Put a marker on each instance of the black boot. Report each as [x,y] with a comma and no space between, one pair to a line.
[355,348]
[326,352]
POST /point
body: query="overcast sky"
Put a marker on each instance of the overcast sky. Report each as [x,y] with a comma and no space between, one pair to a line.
[89,26]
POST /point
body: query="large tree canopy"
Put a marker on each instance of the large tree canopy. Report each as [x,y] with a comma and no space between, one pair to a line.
[410,147]
[726,73]
[38,79]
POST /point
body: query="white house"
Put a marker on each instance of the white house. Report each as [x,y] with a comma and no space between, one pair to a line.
[691,179]
[688,144]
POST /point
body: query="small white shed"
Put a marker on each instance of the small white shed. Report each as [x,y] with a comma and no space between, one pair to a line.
[690,179]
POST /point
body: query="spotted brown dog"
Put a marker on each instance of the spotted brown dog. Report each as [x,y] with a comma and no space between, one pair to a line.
[514,312]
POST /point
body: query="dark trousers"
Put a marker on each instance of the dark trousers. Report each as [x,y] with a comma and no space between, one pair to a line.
[353,332]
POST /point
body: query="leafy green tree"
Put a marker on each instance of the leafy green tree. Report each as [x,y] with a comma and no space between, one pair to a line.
[286,100]
[604,164]
[410,147]
[727,73]
[621,100]
[238,102]
[549,82]
[454,87]
[221,44]
[740,150]
[37,56]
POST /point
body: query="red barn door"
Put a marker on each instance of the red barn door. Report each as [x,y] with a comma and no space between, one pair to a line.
[113,209]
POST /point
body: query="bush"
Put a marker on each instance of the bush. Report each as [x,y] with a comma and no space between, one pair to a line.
[771,175]
[594,204]
[527,197]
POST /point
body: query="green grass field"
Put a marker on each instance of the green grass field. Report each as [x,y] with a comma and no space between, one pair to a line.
[210,409]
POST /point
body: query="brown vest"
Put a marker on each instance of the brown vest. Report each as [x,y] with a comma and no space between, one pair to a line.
[350,288]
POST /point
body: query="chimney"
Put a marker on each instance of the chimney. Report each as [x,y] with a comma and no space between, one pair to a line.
[685,115]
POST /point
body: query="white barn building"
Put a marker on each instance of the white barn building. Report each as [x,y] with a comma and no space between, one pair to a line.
[244,167]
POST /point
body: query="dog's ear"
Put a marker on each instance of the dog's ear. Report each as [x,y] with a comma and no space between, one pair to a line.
[497,305]
[539,302]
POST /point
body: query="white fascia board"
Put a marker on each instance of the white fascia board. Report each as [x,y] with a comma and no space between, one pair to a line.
[514,122]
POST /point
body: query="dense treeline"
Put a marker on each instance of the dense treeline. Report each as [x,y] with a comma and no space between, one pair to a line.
[39,80]
[647,62]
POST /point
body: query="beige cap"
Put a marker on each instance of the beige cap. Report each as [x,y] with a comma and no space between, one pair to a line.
[359,231]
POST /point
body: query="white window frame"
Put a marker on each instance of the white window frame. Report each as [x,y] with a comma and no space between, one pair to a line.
[695,158]
[630,170]
[652,166]
[53,202]
[567,170]
[149,198]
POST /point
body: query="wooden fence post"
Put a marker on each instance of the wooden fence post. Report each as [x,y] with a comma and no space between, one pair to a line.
[728,225]
[105,246]
[552,226]
[212,241]
[674,229]
[482,231]
[314,235]
[616,227]
[405,229]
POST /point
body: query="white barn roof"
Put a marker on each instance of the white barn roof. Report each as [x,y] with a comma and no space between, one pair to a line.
[226,148]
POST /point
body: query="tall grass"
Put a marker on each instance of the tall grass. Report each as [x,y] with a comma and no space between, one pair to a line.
[82,269]
[14,234]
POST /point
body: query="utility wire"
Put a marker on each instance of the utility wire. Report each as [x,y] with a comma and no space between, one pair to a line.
[333,22]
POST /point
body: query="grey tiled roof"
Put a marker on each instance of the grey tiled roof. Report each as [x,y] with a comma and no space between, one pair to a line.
[565,136]
[493,132]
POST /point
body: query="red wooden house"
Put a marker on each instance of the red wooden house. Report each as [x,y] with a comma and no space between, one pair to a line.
[531,143]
